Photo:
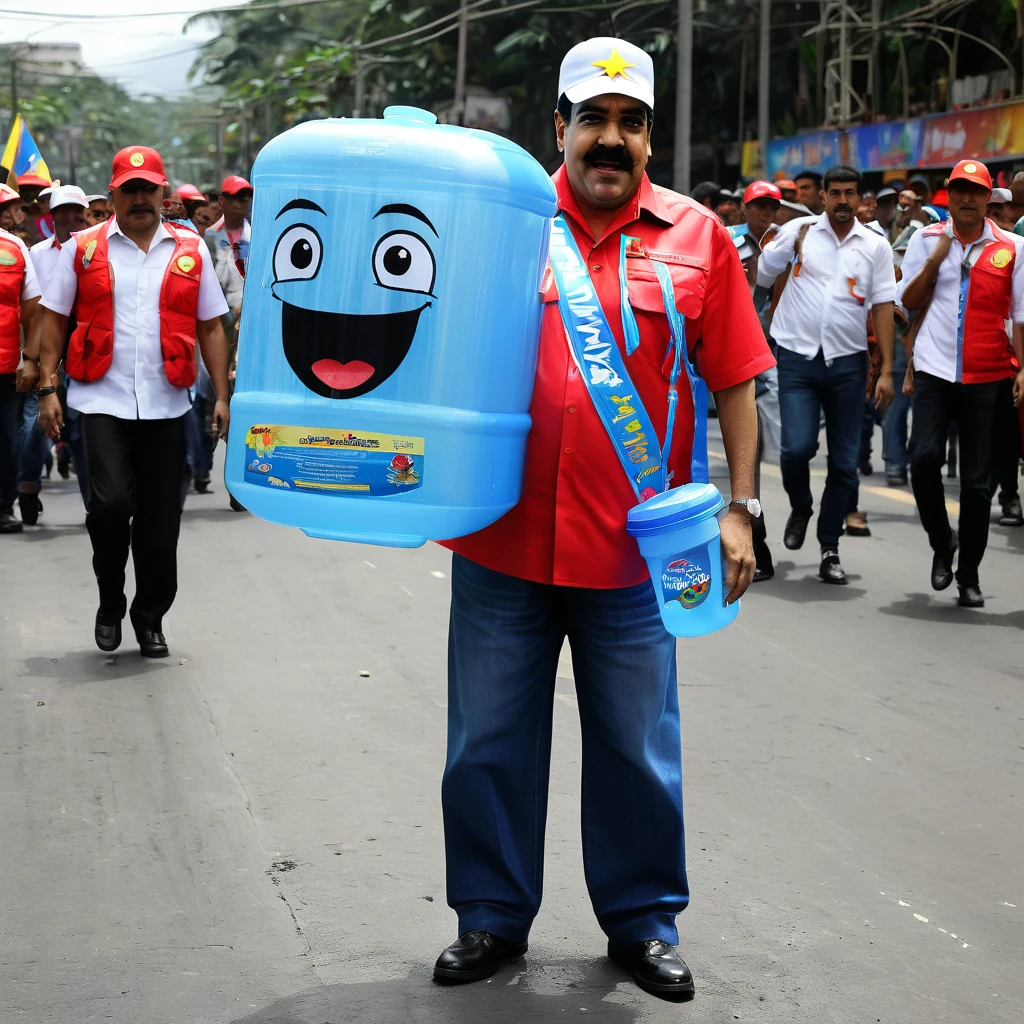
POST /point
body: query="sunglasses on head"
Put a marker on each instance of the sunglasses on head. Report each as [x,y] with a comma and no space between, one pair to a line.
[133,188]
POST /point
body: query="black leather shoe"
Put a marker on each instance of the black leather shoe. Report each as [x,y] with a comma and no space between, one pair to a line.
[942,567]
[970,596]
[830,570]
[30,507]
[151,643]
[796,530]
[107,632]
[1011,513]
[657,968]
[475,956]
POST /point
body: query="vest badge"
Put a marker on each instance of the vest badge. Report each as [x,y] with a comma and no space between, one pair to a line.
[1001,257]
[90,250]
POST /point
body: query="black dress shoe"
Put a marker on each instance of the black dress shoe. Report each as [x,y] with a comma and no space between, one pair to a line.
[475,956]
[30,507]
[657,968]
[942,567]
[970,596]
[830,569]
[107,632]
[1011,514]
[151,643]
[796,530]
[764,567]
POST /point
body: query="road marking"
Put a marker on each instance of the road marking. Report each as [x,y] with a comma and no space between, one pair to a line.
[892,493]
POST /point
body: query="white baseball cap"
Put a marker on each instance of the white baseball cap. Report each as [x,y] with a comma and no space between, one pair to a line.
[605,65]
[67,195]
[92,199]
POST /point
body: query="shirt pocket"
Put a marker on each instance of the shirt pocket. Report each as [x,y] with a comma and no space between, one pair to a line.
[645,296]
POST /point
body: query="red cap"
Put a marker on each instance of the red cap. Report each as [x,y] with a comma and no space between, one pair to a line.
[761,190]
[7,194]
[138,162]
[786,184]
[33,179]
[971,170]
[940,197]
[191,192]
[233,184]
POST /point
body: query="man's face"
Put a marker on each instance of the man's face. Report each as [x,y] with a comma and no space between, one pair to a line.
[98,211]
[842,199]
[760,216]
[235,208]
[729,213]
[808,193]
[885,211]
[605,144]
[68,219]
[967,204]
[908,209]
[1000,213]
[174,208]
[138,204]
[203,216]
[7,215]
[866,209]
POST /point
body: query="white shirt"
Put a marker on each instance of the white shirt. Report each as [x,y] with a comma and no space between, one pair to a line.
[231,280]
[825,307]
[29,281]
[44,258]
[935,350]
[136,385]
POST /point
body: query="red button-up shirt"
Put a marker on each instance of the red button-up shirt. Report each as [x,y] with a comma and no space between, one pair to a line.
[569,528]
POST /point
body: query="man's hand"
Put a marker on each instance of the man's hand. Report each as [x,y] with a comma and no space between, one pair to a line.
[51,417]
[738,552]
[908,380]
[1018,389]
[28,375]
[941,250]
[884,392]
[221,418]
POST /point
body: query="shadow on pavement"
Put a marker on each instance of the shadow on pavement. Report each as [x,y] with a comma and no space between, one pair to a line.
[509,997]
[95,666]
[929,608]
[802,585]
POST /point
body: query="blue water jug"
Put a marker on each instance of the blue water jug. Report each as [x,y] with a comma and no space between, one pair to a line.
[678,535]
[391,317]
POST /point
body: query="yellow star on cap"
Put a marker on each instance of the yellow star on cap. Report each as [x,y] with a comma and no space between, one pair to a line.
[614,65]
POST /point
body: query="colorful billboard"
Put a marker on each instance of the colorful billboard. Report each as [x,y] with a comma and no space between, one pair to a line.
[989,133]
[815,151]
[882,147]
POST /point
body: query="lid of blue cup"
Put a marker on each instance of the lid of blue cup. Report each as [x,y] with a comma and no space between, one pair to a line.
[673,509]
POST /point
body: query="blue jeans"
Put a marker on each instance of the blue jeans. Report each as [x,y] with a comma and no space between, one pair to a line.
[200,444]
[503,645]
[806,388]
[34,445]
[894,426]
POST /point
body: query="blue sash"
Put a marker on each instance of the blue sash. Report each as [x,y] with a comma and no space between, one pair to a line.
[603,369]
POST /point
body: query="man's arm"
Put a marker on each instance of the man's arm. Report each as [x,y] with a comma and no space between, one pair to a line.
[28,372]
[920,282]
[885,334]
[54,329]
[214,346]
[737,418]
[776,256]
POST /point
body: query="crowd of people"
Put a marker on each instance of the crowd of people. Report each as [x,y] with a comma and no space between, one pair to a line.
[842,281]
[807,302]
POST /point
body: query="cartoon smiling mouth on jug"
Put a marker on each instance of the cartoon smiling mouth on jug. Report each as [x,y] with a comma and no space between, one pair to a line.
[344,355]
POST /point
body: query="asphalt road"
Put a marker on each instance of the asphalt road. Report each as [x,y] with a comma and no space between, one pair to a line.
[249,832]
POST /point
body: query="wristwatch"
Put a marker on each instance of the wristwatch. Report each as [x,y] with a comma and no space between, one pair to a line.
[752,505]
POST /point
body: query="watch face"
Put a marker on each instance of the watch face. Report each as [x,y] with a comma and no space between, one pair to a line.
[754,508]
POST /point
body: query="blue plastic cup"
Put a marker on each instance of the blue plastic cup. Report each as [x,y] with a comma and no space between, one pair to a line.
[679,537]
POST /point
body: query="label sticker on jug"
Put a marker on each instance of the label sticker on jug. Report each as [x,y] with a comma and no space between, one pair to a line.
[686,581]
[340,462]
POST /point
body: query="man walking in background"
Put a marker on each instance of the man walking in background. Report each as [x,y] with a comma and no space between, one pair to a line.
[808,191]
[841,269]
[965,279]
[132,359]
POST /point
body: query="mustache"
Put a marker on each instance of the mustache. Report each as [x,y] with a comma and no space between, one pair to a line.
[618,156]
[141,209]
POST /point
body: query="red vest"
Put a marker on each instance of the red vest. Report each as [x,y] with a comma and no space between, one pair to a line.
[12,276]
[91,347]
[987,354]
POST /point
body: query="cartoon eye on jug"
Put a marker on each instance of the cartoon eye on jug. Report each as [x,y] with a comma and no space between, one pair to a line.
[389,341]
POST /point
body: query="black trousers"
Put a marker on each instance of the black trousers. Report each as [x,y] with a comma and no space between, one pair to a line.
[135,480]
[972,407]
[10,441]
[1006,445]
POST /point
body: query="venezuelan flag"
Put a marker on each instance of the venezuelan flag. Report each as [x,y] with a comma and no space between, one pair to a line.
[22,155]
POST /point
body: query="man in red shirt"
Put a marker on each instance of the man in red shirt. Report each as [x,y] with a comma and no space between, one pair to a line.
[561,564]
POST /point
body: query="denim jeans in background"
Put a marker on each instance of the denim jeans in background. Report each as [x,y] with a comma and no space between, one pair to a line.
[504,641]
[11,402]
[73,432]
[808,387]
[894,426]
[198,439]
[35,445]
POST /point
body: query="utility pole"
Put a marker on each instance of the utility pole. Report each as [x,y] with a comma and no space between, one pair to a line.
[764,81]
[684,97]
[460,64]
[360,84]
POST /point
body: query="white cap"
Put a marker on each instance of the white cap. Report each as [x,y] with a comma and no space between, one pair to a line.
[92,199]
[605,65]
[799,207]
[1001,195]
[67,195]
